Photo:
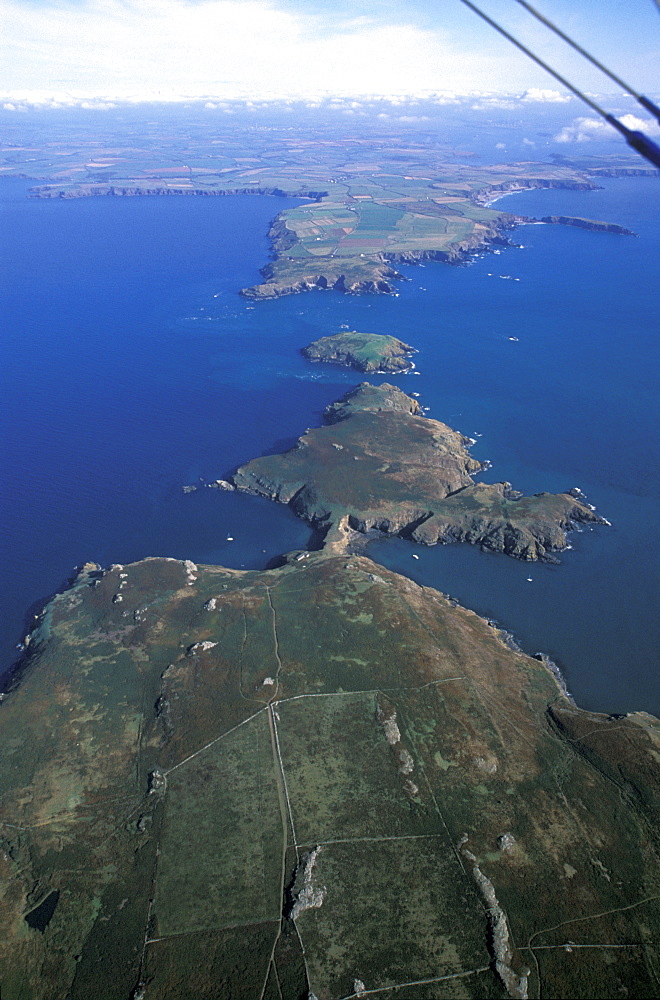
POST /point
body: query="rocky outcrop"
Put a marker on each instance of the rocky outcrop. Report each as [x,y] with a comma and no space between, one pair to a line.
[500,936]
[330,277]
[373,398]
[592,224]
[502,520]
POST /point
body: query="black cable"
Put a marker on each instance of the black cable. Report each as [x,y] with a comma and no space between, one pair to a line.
[637,140]
[647,104]
[528,52]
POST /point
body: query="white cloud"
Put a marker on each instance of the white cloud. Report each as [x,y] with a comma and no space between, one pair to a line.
[97,105]
[509,102]
[584,129]
[538,96]
[646,125]
[23,100]
[447,98]
[491,103]
[135,48]
[215,49]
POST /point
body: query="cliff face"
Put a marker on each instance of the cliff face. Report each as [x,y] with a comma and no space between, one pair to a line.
[381,465]
[605,171]
[532,183]
[319,282]
[287,278]
[138,190]
[485,237]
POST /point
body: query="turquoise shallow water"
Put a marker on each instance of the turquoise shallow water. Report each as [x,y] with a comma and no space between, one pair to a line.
[131,367]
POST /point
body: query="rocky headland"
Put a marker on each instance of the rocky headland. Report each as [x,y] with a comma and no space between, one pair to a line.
[594,225]
[369,273]
[285,277]
[491,192]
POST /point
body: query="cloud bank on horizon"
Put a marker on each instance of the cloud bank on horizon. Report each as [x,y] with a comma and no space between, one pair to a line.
[222,49]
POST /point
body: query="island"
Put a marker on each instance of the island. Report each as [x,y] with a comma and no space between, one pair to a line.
[380,464]
[367,352]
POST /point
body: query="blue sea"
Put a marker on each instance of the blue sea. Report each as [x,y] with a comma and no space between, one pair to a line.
[131,368]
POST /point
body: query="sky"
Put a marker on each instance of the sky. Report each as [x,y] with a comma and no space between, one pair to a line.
[174,49]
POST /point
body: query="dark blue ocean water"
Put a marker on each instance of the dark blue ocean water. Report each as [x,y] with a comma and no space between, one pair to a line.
[131,367]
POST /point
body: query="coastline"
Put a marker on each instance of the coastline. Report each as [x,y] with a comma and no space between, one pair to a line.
[505,194]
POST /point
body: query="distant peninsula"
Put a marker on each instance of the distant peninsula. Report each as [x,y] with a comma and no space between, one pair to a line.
[367,207]
[380,464]
[366,352]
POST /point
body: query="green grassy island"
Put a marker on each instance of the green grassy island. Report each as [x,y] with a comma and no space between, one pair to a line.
[368,352]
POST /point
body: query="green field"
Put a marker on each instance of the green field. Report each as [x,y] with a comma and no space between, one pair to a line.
[221,847]
[344,779]
[425,922]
